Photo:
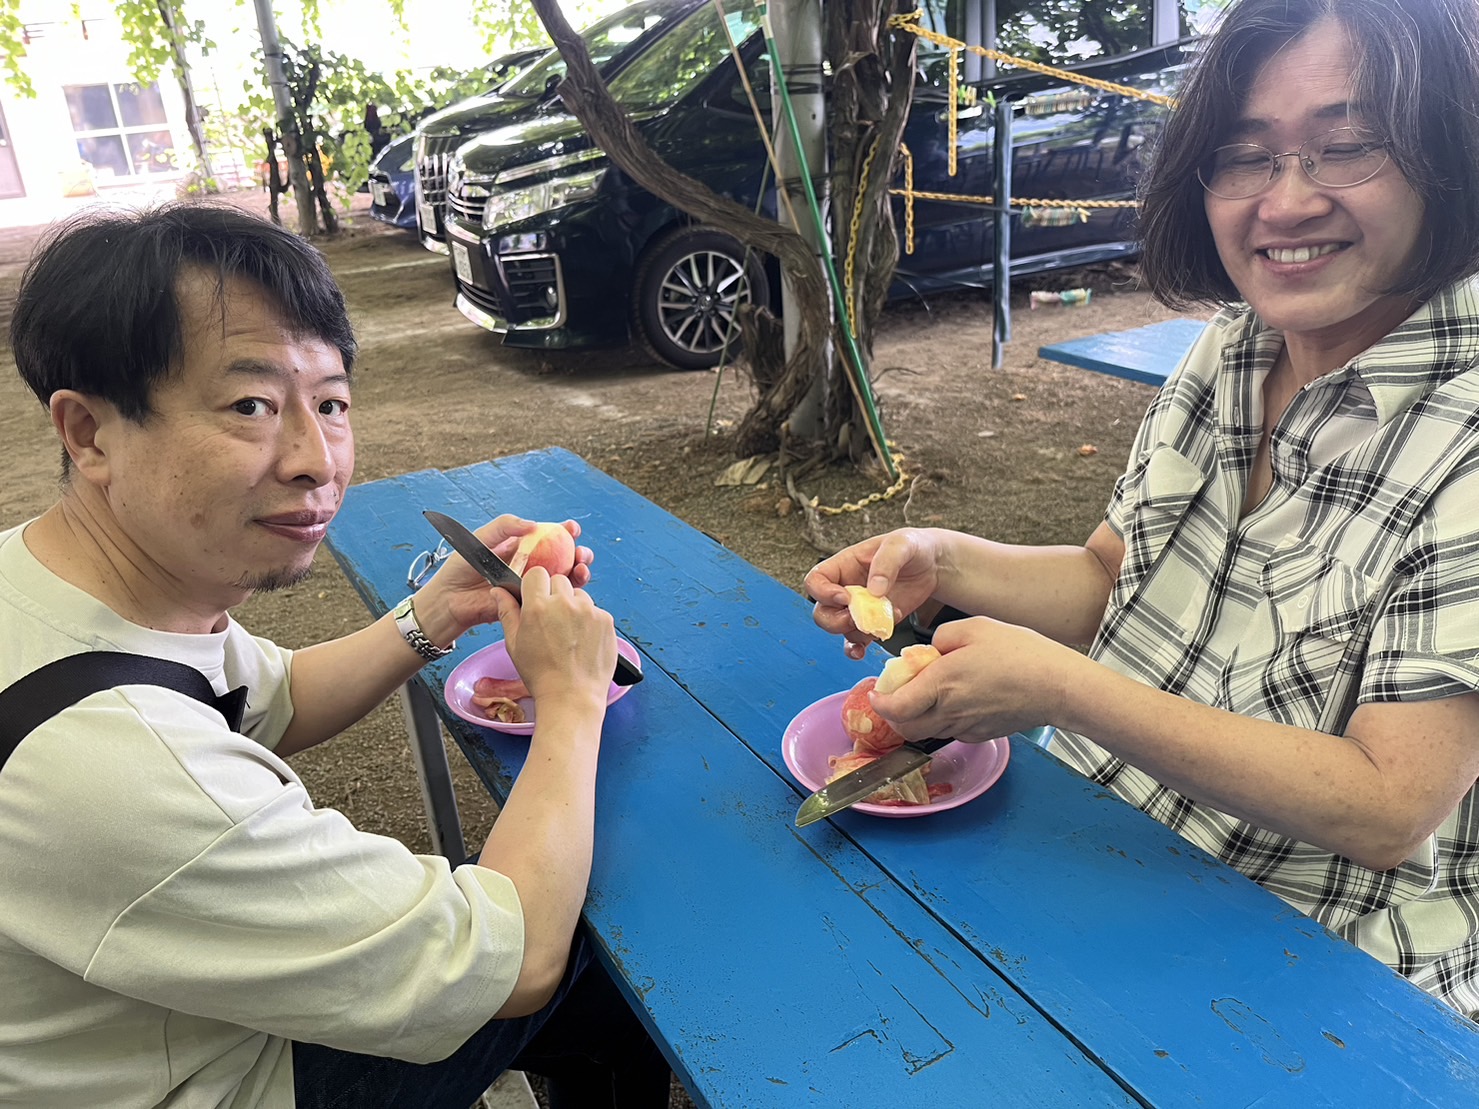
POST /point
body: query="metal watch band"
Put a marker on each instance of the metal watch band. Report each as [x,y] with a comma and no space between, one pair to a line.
[410,629]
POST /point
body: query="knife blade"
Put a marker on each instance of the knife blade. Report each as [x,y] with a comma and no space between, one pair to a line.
[497,572]
[859,784]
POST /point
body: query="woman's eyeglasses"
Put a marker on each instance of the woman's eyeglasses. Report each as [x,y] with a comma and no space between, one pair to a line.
[425,564]
[1337,159]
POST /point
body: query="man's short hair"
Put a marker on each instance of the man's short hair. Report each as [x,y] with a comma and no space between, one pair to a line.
[98,307]
[1416,82]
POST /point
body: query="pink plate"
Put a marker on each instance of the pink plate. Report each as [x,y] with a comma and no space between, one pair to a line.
[493,662]
[816,734]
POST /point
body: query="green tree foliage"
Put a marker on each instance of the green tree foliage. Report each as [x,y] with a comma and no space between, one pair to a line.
[331,93]
[507,24]
[1059,31]
[13,48]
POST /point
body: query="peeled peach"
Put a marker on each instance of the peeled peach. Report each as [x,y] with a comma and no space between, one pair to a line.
[869,732]
[871,615]
[548,545]
[910,661]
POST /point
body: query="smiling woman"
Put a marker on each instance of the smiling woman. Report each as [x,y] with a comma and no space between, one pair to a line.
[1283,598]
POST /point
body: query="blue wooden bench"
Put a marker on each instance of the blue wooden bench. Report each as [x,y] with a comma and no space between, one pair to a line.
[1147,354]
[1045,944]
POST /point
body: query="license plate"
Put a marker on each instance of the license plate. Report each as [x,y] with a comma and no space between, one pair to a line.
[380,193]
[461,262]
[427,216]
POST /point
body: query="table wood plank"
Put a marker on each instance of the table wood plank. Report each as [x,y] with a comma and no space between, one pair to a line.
[779,970]
[1147,354]
[1192,984]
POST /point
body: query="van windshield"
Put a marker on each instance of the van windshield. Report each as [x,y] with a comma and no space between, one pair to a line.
[684,56]
[605,39]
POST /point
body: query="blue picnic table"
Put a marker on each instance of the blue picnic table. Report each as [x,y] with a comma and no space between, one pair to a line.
[1147,354]
[1043,945]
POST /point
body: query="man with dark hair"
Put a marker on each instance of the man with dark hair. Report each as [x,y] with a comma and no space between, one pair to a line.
[178,924]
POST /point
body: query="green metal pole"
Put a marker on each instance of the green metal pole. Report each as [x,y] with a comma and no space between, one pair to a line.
[870,408]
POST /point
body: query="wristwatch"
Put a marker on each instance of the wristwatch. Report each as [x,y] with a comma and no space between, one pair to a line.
[410,629]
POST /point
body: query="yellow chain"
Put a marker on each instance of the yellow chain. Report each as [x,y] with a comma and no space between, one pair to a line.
[852,244]
[1015,203]
[910,22]
[871,498]
[908,204]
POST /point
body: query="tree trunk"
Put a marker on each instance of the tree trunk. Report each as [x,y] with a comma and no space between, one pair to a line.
[187,90]
[875,107]
[275,185]
[282,101]
[872,91]
[303,102]
[584,93]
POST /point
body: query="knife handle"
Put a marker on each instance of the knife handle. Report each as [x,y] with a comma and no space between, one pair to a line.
[626,672]
[929,746]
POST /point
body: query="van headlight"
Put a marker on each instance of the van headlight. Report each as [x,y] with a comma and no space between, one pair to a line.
[557,192]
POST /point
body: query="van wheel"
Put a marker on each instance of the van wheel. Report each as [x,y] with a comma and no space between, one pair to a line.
[688,286]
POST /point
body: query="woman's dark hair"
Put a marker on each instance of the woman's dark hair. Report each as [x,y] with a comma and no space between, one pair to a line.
[1416,81]
[98,310]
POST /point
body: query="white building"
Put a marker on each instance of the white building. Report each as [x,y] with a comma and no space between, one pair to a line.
[91,129]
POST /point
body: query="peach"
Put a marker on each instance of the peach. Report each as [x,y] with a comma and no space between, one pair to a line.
[869,732]
[871,615]
[547,545]
[910,661]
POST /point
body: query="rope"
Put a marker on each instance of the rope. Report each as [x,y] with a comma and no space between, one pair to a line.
[909,21]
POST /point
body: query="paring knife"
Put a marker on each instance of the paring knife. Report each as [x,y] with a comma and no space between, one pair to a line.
[500,573]
[858,785]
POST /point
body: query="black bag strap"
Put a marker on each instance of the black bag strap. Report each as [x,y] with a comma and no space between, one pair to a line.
[41,694]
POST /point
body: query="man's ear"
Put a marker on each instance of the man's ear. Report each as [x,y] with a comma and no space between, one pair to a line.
[81,421]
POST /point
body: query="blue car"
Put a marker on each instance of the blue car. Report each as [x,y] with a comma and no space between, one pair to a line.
[393,172]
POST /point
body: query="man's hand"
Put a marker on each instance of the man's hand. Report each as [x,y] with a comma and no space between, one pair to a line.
[903,566]
[458,597]
[561,644]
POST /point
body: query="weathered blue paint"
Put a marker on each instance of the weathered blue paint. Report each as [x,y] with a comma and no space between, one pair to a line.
[868,961]
[777,970]
[1147,354]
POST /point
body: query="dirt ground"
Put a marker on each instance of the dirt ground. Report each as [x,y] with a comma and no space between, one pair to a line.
[1025,453]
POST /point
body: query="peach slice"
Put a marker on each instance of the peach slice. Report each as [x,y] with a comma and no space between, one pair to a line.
[910,661]
[871,615]
[548,545]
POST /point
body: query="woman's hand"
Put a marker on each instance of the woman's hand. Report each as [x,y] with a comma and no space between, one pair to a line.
[992,679]
[902,565]
[458,597]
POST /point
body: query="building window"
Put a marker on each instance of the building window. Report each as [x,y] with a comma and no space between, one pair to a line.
[121,130]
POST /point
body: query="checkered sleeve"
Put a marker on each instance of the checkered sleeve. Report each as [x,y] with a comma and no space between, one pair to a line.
[1425,642]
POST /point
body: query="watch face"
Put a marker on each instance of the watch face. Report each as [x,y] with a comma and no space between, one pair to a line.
[405,622]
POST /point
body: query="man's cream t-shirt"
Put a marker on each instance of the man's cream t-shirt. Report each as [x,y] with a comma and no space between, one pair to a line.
[173,909]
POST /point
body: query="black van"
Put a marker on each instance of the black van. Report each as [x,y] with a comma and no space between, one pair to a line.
[613,42]
[553,246]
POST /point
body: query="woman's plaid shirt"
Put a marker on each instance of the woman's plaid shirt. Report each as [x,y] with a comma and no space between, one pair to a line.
[1356,579]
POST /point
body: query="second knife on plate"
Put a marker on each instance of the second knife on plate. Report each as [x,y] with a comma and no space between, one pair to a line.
[497,572]
[860,784]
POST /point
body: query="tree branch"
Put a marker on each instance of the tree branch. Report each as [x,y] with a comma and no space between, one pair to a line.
[585,94]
